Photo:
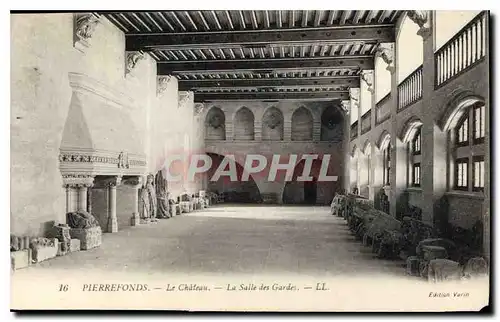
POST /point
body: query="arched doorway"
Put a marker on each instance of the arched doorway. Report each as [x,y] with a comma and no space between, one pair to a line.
[237,191]
[300,191]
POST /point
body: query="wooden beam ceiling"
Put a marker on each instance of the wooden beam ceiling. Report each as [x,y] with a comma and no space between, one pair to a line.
[278,96]
[261,38]
[348,81]
[308,63]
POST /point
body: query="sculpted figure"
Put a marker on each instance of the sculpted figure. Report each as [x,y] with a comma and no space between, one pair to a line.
[162,196]
[148,199]
[81,219]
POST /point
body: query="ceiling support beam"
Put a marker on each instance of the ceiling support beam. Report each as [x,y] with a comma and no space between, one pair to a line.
[260,38]
[308,63]
[272,96]
[351,81]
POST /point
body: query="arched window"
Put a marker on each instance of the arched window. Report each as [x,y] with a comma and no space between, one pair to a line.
[414,157]
[387,165]
[467,142]
[272,125]
[408,59]
[215,124]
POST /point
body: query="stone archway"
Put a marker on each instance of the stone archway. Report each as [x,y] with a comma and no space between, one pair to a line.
[238,191]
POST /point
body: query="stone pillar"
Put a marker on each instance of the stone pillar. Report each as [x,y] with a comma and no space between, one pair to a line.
[135,183]
[317,130]
[112,219]
[434,141]
[257,130]
[89,200]
[287,128]
[68,198]
[347,146]
[82,197]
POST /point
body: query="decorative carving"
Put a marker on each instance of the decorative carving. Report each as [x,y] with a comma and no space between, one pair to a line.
[421,18]
[123,160]
[81,219]
[133,181]
[199,108]
[162,84]
[114,181]
[132,59]
[85,25]
[74,180]
[216,121]
[386,52]
[273,120]
[346,106]
[354,97]
[367,77]
[184,97]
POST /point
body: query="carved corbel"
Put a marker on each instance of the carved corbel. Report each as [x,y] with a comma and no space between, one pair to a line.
[367,77]
[354,94]
[346,106]
[386,52]
[135,181]
[422,19]
[131,60]
[184,97]
[113,181]
[199,108]
[162,84]
[84,27]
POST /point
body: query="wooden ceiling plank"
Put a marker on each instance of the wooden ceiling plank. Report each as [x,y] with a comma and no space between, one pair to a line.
[166,21]
[234,39]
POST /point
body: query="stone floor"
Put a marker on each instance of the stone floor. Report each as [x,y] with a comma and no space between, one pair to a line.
[236,239]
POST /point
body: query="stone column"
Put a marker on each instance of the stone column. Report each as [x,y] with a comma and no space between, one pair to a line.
[68,198]
[433,181]
[112,219]
[135,183]
[82,197]
[346,146]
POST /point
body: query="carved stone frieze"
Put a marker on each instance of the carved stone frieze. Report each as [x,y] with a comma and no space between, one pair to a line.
[122,160]
[386,52]
[84,27]
[422,19]
[132,58]
[136,181]
[367,77]
[76,180]
[162,84]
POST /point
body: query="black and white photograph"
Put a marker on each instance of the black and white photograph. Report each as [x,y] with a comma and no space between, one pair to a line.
[250,160]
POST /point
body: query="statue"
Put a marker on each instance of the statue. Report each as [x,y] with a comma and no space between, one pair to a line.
[148,199]
[162,196]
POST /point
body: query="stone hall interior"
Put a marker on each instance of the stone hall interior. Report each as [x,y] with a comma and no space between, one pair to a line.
[394,105]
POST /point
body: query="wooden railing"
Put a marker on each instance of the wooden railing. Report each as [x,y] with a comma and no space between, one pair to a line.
[354,130]
[410,90]
[366,122]
[383,109]
[462,51]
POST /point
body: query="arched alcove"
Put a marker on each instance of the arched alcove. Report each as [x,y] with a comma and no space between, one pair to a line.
[244,125]
[383,79]
[332,124]
[272,125]
[302,125]
[215,124]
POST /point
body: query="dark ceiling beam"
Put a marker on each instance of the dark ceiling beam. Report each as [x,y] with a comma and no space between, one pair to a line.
[342,62]
[261,38]
[351,81]
[271,96]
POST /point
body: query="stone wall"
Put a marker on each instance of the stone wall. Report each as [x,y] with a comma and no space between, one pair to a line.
[43,57]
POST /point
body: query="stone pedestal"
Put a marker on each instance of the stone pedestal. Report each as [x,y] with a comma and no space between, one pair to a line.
[89,237]
[20,259]
[41,253]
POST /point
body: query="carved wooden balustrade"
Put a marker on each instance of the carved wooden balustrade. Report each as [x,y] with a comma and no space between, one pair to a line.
[410,89]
